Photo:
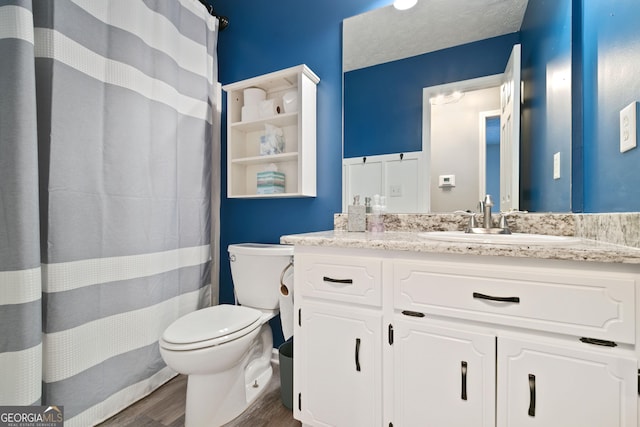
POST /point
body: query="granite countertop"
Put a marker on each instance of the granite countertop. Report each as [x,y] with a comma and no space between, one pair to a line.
[582,250]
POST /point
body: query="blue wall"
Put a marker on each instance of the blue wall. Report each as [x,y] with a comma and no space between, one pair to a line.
[265,36]
[546,36]
[389,119]
[611,78]
[492,155]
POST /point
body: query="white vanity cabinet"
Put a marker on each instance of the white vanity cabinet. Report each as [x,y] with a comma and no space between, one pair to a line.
[340,361]
[564,385]
[443,375]
[275,119]
[535,314]
[338,341]
[465,340]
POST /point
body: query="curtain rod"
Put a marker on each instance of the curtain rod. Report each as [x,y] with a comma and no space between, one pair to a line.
[224,21]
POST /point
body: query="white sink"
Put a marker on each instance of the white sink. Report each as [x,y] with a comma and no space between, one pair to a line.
[499,239]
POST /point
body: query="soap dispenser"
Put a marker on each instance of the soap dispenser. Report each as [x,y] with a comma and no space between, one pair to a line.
[376,222]
[356,216]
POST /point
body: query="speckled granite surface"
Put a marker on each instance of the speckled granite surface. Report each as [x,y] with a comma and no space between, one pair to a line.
[535,223]
[583,250]
[619,228]
[611,238]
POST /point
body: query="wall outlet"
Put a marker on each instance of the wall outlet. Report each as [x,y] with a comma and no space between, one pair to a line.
[395,190]
[556,165]
[628,127]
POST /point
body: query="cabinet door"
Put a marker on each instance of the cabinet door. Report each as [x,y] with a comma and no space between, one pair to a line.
[564,386]
[444,376]
[338,366]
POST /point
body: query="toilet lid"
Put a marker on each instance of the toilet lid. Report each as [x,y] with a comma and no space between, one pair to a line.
[261,249]
[210,323]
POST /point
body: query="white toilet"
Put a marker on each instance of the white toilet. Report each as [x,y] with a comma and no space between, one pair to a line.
[226,349]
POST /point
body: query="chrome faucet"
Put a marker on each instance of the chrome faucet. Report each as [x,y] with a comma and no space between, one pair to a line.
[485,208]
[487,220]
[473,222]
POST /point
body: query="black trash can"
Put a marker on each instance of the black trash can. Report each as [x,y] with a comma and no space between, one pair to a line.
[285,355]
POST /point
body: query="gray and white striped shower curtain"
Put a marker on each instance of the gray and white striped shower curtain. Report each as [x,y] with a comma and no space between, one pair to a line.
[109,120]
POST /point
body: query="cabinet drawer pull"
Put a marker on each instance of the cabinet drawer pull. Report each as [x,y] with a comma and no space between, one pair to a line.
[594,341]
[499,299]
[358,354]
[413,313]
[463,371]
[532,395]
[341,281]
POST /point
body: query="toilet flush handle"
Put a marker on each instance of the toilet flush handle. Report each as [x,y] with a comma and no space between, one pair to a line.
[283,288]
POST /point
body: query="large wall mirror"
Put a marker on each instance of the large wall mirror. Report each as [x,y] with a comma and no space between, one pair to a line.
[394,62]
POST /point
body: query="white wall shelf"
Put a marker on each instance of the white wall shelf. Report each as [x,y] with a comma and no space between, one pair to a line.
[272,158]
[282,120]
[298,159]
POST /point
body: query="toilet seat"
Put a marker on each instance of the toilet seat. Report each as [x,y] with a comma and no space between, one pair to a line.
[210,326]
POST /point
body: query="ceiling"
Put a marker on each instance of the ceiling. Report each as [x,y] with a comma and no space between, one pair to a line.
[387,34]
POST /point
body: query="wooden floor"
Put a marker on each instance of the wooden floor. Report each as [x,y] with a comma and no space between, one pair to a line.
[165,408]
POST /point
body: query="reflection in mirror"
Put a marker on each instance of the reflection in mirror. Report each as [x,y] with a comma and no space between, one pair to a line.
[383,100]
[453,131]
[383,107]
[490,152]
[401,173]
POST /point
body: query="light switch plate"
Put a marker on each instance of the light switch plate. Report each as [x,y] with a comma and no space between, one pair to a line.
[556,165]
[628,127]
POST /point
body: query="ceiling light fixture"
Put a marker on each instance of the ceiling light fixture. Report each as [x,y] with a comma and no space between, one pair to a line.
[449,98]
[404,4]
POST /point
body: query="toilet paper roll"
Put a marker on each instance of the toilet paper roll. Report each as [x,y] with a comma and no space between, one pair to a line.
[286,301]
[253,96]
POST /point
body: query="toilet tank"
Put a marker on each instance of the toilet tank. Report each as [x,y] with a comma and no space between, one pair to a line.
[256,270]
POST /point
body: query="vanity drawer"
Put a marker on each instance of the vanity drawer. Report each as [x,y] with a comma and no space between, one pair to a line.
[348,279]
[562,300]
